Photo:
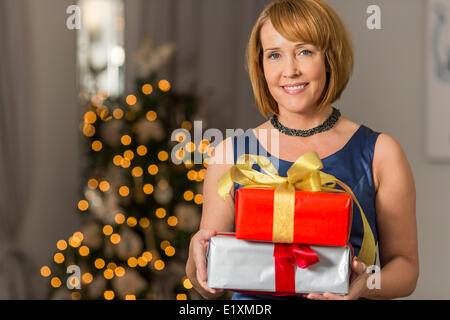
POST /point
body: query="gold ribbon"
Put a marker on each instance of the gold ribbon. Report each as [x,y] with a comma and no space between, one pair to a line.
[303,175]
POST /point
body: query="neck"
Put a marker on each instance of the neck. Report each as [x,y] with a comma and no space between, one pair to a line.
[304,120]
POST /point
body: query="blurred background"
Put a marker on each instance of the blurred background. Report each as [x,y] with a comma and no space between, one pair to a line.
[91,91]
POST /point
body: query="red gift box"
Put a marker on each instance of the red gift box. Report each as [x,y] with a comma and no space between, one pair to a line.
[320,218]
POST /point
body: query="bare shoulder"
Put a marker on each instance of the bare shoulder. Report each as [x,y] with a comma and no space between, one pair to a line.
[390,162]
[347,126]
[221,160]
[223,154]
[387,148]
[217,213]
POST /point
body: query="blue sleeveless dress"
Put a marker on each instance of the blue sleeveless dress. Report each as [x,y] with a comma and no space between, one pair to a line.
[352,165]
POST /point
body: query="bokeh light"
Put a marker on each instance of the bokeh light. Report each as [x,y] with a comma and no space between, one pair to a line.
[164,85]
[137,172]
[172,221]
[97,145]
[119,218]
[132,262]
[99,263]
[148,188]
[87,278]
[125,140]
[124,191]
[118,113]
[131,100]
[144,223]
[147,89]
[61,245]
[153,169]
[45,271]
[104,186]
[109,294]
[55,282]
[92,183]
[159,265]
[107,230]
[131,221]
[141,150]
[83,205]
[188,195]
[151,115]
[84,251]
[160,213]
[115,238]
[163,155]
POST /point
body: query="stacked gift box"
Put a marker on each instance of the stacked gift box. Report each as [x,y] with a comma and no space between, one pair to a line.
[284,243]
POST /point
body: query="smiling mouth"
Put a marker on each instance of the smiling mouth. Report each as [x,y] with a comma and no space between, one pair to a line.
[295,87]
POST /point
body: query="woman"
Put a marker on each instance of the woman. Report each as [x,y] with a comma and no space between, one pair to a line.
[299,59]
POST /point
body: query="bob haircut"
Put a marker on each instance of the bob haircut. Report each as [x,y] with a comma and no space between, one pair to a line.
[310,21]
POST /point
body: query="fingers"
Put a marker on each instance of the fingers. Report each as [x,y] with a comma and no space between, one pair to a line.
[316,296]
[202,275]
[359,267]
[200,264]
[332,296]
[326,296]
[201,278]
[200,245]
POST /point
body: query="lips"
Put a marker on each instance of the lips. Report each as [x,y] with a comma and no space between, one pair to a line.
[294,84]
[295,88]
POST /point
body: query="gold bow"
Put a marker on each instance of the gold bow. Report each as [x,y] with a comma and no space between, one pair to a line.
[303,175]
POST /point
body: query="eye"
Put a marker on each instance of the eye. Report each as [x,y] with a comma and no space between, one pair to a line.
[308,52]
[303,52]
[271,55]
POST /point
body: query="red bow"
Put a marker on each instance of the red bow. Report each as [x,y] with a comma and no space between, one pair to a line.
[287,257]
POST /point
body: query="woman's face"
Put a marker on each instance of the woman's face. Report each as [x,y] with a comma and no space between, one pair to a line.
[295,72]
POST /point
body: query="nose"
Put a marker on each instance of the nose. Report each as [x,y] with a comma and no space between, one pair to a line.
[291,68]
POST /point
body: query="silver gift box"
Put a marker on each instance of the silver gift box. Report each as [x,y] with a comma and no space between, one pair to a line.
[250,266]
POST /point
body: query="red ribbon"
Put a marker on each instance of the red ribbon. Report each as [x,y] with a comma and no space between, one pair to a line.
[287,258]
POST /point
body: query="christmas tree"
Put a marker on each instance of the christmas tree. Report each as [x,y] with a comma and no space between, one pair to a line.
[139,207]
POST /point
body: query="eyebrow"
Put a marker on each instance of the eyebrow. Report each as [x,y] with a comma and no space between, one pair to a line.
[297,45]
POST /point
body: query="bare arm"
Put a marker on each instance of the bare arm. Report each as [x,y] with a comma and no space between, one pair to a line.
[396,221]
[217,216]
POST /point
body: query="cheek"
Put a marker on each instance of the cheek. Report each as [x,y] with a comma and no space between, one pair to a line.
[272,72]
[319,76]
[268,74]
[317,72]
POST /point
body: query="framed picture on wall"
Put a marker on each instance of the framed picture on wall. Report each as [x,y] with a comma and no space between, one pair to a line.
[437,80]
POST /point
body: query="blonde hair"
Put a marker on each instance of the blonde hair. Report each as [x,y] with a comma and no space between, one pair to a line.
[311,21]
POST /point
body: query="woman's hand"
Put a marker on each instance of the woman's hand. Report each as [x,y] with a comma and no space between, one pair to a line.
[358,285]
[196,266]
